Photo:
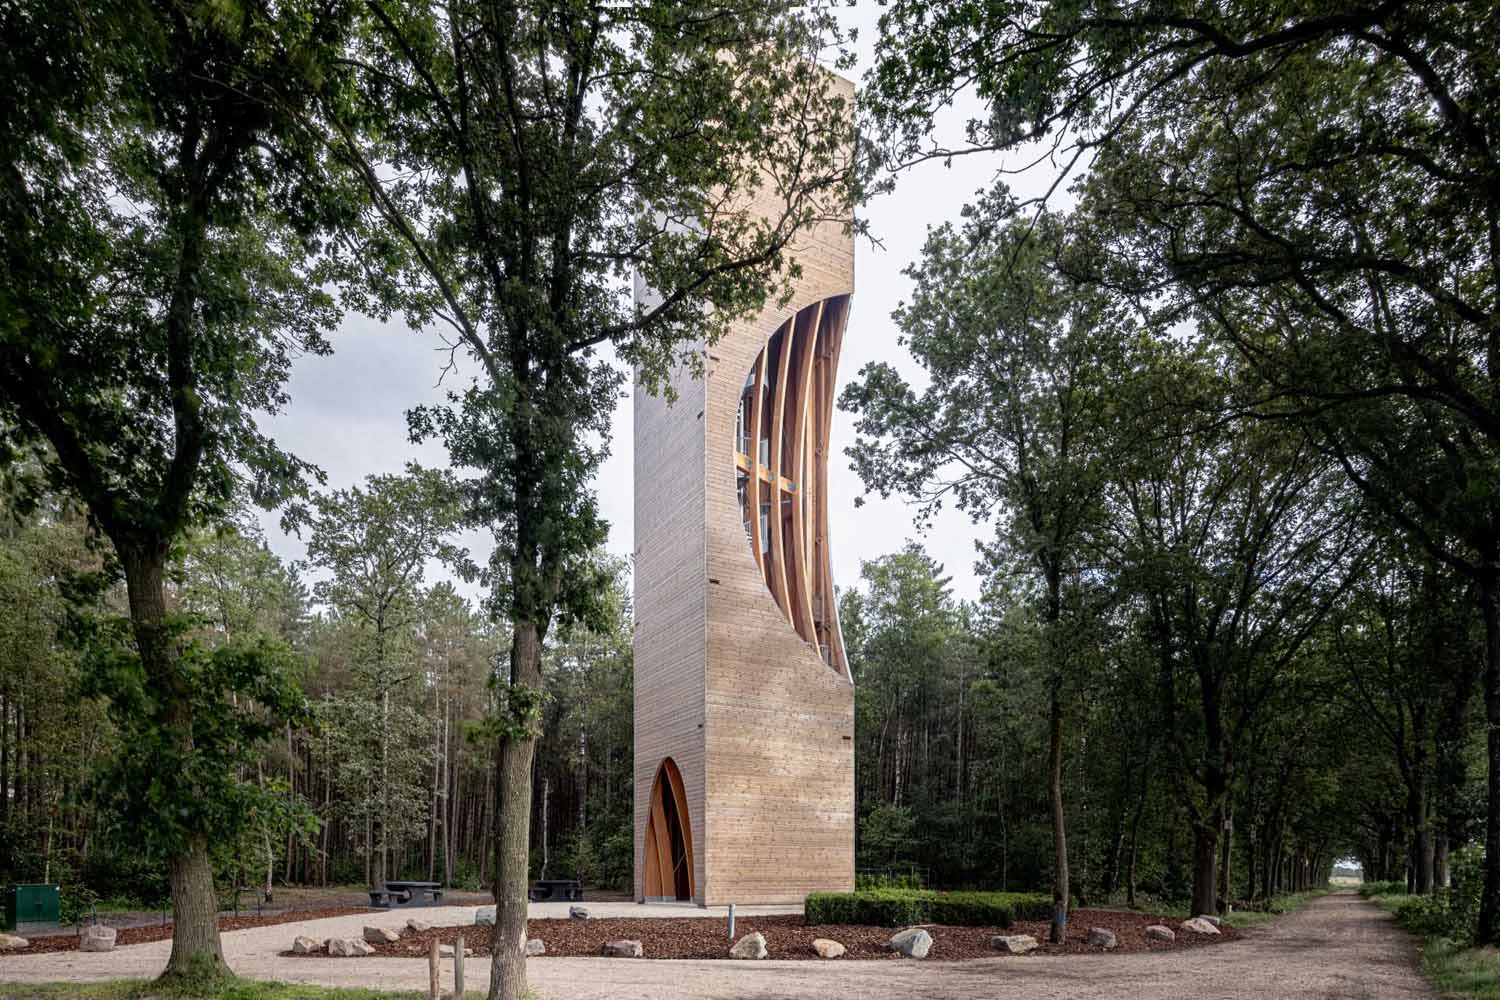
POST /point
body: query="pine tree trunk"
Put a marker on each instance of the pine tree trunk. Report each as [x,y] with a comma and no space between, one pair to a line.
[1135,828]
[4,761]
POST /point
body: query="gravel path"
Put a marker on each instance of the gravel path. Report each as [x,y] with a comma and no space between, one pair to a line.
[1338,946]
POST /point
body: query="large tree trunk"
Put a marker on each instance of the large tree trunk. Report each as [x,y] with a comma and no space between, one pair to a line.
[196,950]
[1451,768]
[514,754]
[1059,932]
[1226,858]
[1208,827]
[1205,866]
[1421,853]
[1440,878]
[195,914]
[1489,903]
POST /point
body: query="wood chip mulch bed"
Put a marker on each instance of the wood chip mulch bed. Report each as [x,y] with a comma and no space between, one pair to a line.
[163,932]
[788,937]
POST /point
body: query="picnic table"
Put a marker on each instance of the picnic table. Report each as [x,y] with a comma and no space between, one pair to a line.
[556,888]
[406,894]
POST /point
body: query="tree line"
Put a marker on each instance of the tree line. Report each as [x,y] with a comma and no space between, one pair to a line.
[1241,413]
[381,767]
[1230,422]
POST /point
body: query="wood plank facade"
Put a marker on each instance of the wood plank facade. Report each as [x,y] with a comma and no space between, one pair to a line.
[741,686]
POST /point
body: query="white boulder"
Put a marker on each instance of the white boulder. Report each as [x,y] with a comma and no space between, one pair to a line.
[349,948]
[303,945]
[1102,937]
[622,949]
[381,935]
[1015,944]
[97,937]
[913,942]
[750,946]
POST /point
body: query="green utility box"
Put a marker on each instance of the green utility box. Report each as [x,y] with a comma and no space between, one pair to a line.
[31,904]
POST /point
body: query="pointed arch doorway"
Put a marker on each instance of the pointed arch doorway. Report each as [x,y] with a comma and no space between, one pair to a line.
[669,839]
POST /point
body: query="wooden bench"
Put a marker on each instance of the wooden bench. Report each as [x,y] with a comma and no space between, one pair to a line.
[546,890]
[406,894]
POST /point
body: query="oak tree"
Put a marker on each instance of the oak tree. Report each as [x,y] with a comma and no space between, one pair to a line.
[527,163]
[160,199]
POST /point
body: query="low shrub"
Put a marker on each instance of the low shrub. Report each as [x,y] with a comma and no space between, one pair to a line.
[1427,916]
[1451,913]
[1371,889]
[1466,873]
[903,907]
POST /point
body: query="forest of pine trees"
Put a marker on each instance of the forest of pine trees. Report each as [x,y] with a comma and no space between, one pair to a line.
[387,770]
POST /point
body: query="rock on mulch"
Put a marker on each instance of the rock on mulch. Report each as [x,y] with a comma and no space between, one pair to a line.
[789,937]
[163,932]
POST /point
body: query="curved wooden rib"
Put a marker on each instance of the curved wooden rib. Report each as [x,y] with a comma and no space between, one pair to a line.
[752,487]
[662,870]
[661,842]
[799,361]
[777,573]
[802,564]
[679,799]
[834,343]
[652,886]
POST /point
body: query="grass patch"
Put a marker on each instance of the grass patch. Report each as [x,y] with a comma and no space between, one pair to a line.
[1462,973]
[1278,906]
[1458,971]
[1374,890]
[1290,902]
[234,989]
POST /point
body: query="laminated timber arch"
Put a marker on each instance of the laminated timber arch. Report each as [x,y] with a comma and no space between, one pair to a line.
[669,838]
[781,459]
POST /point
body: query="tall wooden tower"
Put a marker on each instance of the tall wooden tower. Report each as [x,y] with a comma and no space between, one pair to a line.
[744,707]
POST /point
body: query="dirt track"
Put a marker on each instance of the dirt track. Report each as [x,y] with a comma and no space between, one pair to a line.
[1339,946]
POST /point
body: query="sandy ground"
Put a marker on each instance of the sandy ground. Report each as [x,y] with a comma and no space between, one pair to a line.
[1339,946]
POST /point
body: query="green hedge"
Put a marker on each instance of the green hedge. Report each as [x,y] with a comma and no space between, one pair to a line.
[903,907]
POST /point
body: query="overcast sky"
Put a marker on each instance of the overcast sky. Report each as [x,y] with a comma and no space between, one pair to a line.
[347,411]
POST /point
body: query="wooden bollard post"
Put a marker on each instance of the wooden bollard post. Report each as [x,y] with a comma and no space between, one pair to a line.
[434,973]
[458,969]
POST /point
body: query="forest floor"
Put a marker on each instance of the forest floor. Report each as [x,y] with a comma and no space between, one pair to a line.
[1337,946]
